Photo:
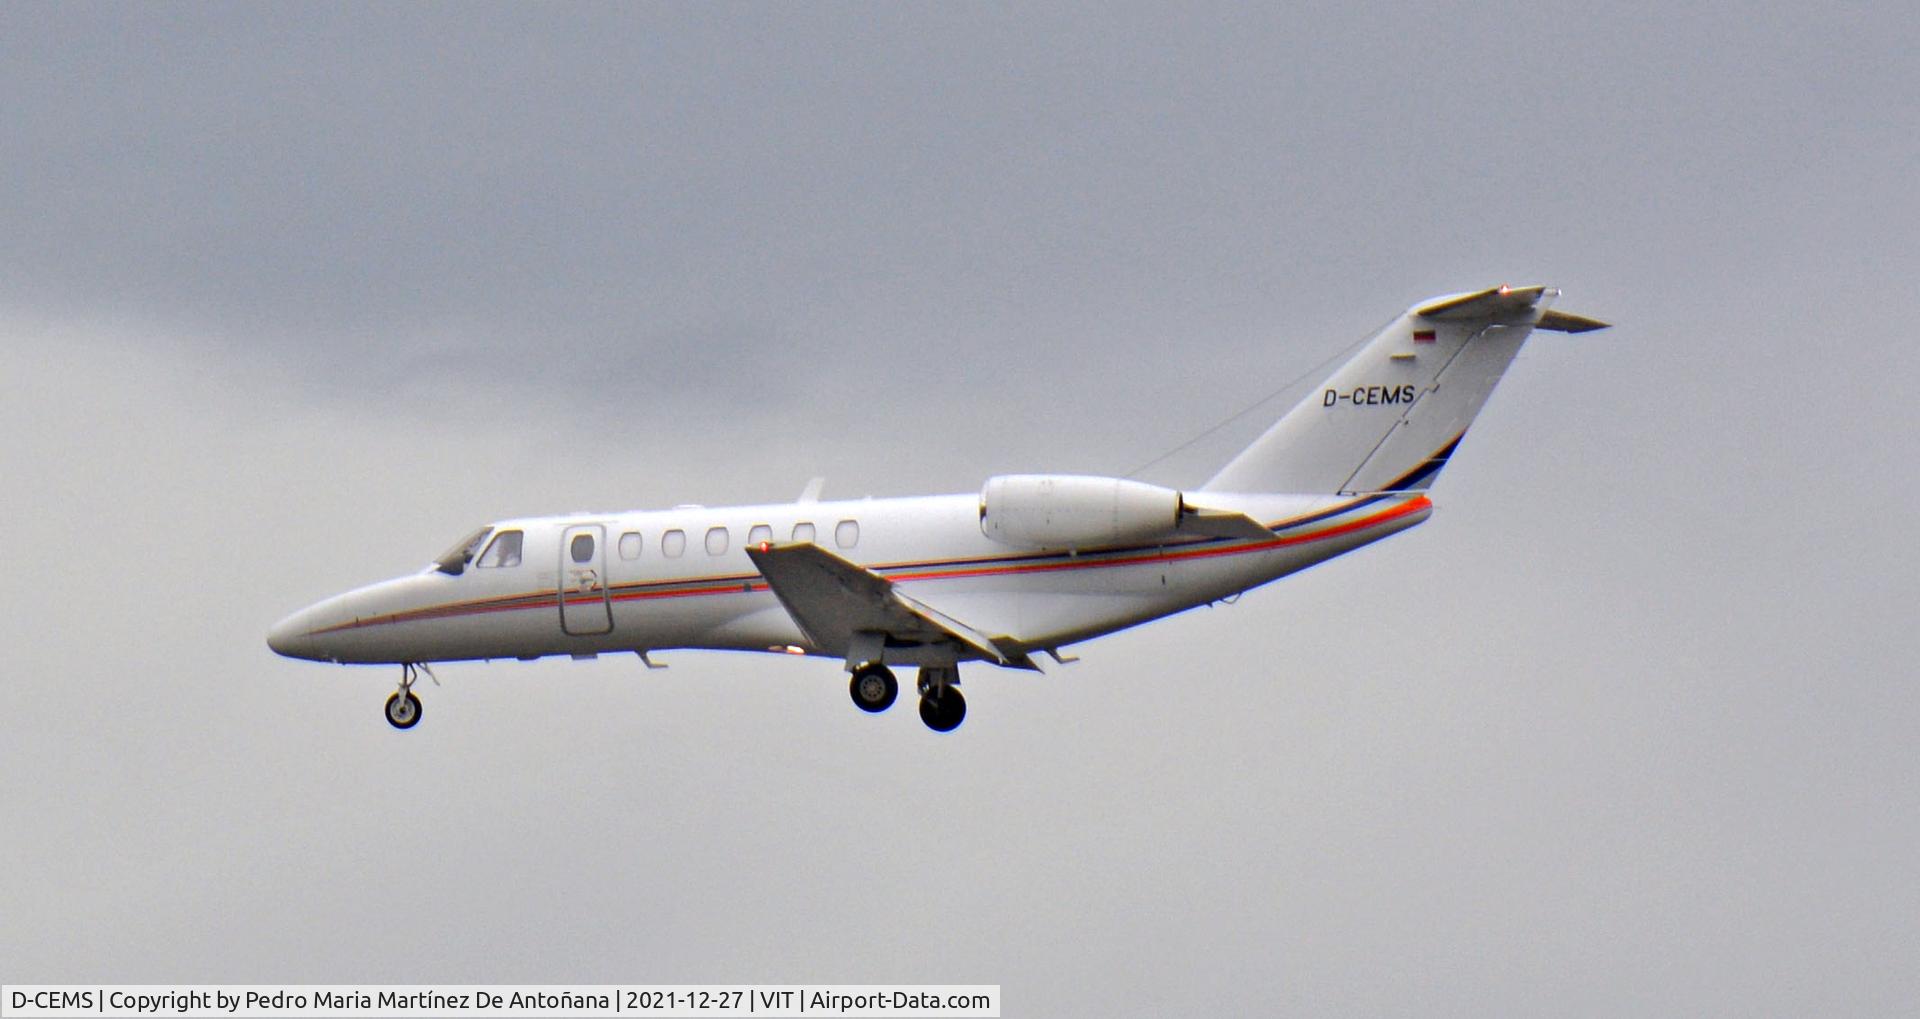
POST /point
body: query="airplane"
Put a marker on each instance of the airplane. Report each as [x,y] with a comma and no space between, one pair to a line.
[1029,564]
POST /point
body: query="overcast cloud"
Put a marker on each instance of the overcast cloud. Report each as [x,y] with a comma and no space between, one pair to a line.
[290,297]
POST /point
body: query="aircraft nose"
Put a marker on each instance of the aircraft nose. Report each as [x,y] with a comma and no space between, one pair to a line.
[293,636]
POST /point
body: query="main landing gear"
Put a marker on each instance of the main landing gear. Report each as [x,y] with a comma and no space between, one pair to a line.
[941,706]
[874,689]
[403,708]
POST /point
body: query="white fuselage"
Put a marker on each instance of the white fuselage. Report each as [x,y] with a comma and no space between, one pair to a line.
[636,594]
[1032,563]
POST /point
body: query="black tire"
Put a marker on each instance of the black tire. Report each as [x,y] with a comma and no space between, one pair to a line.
[873,689]
[403,714]
[945,711]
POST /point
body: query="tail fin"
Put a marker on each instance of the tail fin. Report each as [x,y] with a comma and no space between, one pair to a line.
[1388,420]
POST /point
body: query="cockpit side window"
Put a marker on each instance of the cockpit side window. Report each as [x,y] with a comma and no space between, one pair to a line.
[454,560]
[503,551]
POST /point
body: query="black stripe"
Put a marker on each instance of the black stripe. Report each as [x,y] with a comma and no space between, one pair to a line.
[1428,467]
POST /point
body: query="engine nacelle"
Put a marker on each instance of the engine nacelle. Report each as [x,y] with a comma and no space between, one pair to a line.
[1068,511]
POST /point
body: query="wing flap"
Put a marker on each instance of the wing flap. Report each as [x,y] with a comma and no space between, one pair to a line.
[831,600]
[954,628]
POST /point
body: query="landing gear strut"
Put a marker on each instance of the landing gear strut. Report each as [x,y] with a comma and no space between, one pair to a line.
[941,706]
[873,688]
[403,708]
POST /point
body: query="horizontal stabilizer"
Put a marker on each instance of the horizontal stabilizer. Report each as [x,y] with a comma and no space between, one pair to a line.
[831,599]
[1561,322]
[1497,302]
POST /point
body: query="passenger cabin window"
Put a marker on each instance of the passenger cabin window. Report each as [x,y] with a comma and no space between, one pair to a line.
[716,541]
[846,533]
[581,548]
[504,550]
[673,543]
[760,534]
[803,531]
[630,545]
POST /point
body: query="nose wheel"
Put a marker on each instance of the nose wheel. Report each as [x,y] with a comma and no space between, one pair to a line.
[403,707]
[403,710]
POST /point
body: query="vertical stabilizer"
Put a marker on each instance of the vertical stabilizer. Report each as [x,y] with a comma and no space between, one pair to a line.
[1388,419]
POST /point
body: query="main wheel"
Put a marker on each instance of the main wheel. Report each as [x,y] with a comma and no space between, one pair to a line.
[403,712]
[944,711]
[874,688]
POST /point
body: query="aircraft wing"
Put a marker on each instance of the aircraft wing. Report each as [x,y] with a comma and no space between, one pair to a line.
[831,600]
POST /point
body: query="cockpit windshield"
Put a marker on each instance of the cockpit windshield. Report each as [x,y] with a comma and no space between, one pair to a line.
[455,559]
[504,550]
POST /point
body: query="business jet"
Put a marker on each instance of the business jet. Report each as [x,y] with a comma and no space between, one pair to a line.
[1028,565]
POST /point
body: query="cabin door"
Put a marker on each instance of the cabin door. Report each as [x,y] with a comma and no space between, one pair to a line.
[584,605]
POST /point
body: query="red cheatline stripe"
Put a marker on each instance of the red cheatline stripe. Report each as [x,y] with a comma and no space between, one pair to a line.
[666,588]
[740,588]
[709,586]
[1411,506]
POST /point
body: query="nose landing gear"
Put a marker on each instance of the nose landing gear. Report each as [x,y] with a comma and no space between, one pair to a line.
[403,708]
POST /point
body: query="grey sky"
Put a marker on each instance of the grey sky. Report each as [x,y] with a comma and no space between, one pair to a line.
[292,297]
